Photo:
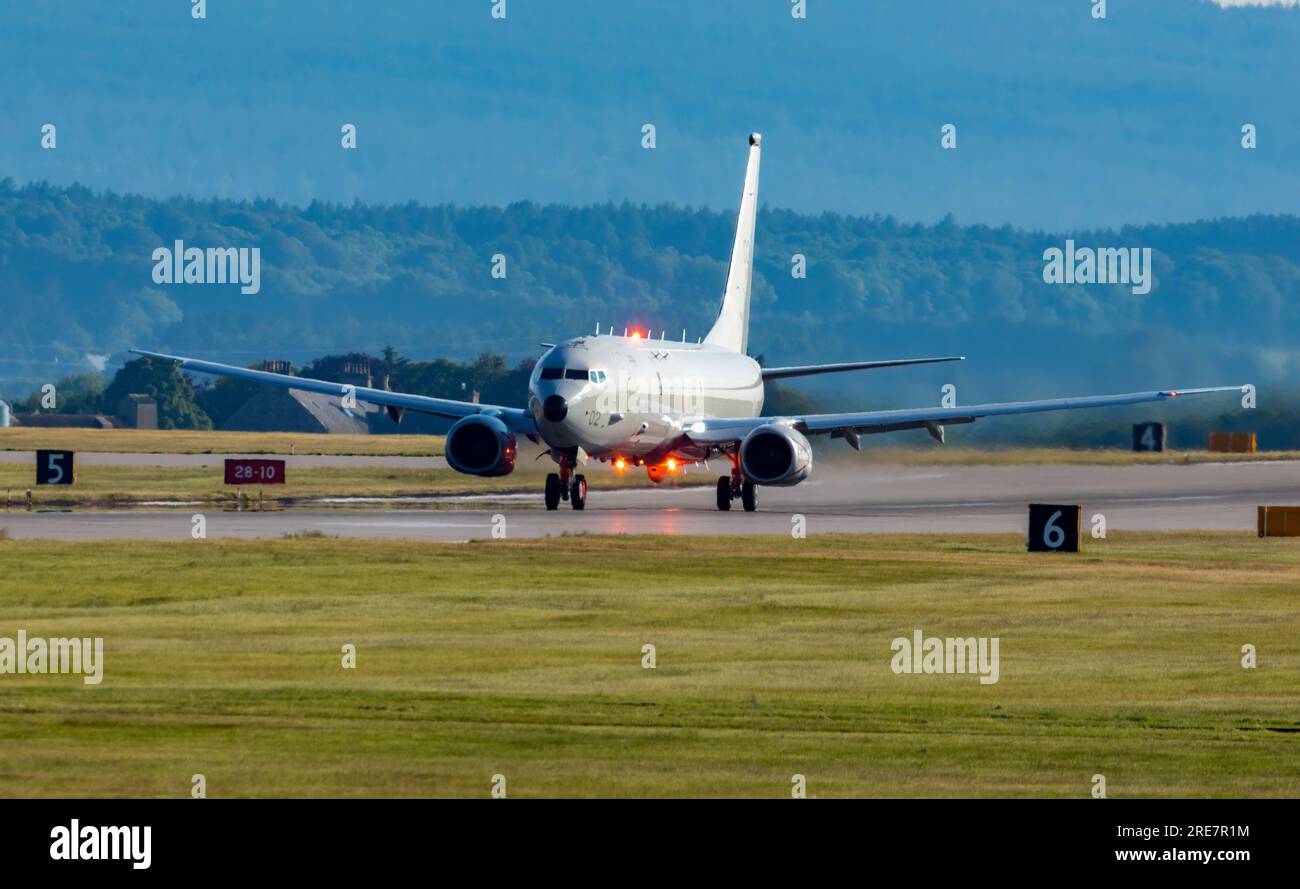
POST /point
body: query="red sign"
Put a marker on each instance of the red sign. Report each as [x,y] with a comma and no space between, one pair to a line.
[243,471]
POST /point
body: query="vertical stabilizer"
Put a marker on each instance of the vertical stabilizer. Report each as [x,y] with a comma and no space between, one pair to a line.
[731,330]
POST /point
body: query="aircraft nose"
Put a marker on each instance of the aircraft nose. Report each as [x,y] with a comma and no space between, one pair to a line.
[554,408]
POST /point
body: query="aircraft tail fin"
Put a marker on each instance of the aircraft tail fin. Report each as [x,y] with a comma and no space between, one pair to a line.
[731,330]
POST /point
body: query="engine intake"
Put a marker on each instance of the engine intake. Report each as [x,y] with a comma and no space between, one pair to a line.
[481,444]
[775,455]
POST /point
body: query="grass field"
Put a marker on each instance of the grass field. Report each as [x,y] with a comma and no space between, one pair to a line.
[188,441]
[523,658]
[934,455]
[149,441]
[110,485]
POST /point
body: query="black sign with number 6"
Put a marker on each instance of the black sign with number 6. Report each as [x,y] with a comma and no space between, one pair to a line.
[1054,528]
[55,467]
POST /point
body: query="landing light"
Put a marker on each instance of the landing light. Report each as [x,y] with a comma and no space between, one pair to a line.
[672,465]
[620,464]
[636,334]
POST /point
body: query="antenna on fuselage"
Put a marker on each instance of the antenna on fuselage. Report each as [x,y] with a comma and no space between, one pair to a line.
[624,331]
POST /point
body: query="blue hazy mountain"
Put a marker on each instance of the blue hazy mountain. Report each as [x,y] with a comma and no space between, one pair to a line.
[1064,121]
[81,278]
[1116,132]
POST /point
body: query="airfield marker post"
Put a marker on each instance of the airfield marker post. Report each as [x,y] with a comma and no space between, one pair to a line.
[248,471]
[1054,528]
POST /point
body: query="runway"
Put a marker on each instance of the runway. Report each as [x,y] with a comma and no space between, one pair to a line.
[841,497]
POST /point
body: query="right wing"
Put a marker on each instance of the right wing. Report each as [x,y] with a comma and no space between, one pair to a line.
[517,419]
[720,430]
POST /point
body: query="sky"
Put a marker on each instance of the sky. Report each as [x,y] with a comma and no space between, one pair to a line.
[1064,121]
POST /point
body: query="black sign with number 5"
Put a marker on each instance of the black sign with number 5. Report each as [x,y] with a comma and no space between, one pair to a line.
[55,467]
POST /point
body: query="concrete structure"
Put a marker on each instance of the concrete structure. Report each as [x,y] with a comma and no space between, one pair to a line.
[292,410]
[67,421]
[138,411]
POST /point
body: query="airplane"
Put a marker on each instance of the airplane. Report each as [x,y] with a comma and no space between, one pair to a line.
[632,401]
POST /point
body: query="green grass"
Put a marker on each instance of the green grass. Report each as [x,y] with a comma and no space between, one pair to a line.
[524,658]
[191,441]
[114,485]
[928,454]
[107,485]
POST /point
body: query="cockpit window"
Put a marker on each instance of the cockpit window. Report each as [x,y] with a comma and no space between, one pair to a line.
[571,373]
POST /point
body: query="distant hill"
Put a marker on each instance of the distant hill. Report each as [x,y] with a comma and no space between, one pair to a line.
[77,273]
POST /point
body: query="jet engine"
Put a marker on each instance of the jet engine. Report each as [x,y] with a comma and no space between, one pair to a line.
[775,455]
[480,444]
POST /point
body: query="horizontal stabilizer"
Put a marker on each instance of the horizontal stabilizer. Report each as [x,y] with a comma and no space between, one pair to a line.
[807,370]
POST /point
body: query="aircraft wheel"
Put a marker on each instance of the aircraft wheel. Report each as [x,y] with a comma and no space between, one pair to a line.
[553,491]
[724,493]
[749,496]
[578,492]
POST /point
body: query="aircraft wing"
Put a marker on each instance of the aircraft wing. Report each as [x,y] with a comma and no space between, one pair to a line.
[807,370]
[851,425]
[517,419]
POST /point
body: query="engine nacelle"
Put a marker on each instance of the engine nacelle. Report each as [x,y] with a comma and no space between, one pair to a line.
[480,444]
[775,455]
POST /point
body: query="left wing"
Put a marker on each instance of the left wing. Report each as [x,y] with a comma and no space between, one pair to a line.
[517,419]
[851,425]
[807,370]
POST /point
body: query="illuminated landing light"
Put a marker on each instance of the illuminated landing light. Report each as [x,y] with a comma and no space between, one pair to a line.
[620,464]
[636,335]
[672,465]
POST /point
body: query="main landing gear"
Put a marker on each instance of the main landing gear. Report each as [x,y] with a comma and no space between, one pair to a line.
[736,486]
[565,485]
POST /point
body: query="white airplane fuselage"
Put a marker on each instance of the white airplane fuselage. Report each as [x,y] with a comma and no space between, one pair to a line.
[631,397]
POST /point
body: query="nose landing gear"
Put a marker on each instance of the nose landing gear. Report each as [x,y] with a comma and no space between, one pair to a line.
[564,485]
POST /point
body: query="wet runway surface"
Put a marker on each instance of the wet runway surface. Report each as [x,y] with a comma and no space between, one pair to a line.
[841,497]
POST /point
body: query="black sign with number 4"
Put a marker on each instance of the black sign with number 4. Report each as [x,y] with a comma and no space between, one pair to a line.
[1149,437]
[1054,528]
[55,467]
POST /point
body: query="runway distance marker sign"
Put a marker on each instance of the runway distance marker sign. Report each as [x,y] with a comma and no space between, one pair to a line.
[1149,437]
[245,471]
[55,467]
[1054,528]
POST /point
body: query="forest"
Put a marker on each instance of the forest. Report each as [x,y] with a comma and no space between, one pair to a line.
[340,279]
